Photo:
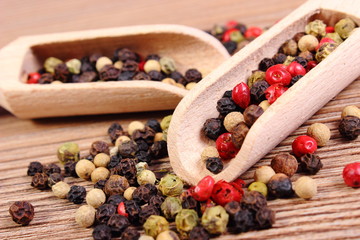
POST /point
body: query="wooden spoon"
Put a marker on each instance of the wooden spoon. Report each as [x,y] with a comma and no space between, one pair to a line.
[189,47]
[300,102]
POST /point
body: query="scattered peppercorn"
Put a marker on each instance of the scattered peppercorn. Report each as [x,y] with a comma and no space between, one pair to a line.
[215,220]
[68,152]
[40,181]
[239,134]
[104,212]
[34,167]
[133,210]
[284,163]
[351,174]
[199,233]
[214,165]
[349,127]
[85,216]
[146,212]
[155,225]
[310,163]
[305,187]
[259,187]
[51,168]
[60,189]
[350,111]
[280,186]
[100,184]
[22,212]
[70,169]
[84,169]
[54,178]
[116,185]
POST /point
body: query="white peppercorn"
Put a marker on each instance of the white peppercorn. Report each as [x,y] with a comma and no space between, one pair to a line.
[232,120]
[320,132]
[114,151]
[263,174]
[169,81]
[146,176]
[118,64]
[264,105]
[146,237]
[190,85]
[95,197]
[128,194]
[152,65]
[305,187]
[85,216]
[141,166]
[121,140]
[350,111]
[308,43]
[209,152]
[100,173]
[158,137]
[60,189]
[101,62]
[84,168]
[135,125]
[101,160]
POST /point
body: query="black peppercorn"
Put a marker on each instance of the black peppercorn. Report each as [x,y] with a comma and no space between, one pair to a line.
[301,60]
[252,113]
[156,76]
[109,73]
[130,234]
[62,73]
[86,66]
[279,58]
[265,218]
[76,194]
[128,169]
[102,232]
[143,193]
[257,91]
[86,77]
[46,78]
[125,76]
[156,201]
[310,163]
[349,127]
[124,54]
[51,168]
[141,76]
[232,208]
[154,124]
[100,184]
[178,77]
[280,186]
[54,178]
[193,75]
[199,233]
[143,156]
[295,79]
[158,149]
[225,106]
[188,202]
[99,147]
[114,131]
[90,157]
[40,181]
[128,149]
[152,57]
[118,224]
[34,167]
[104,212]
[69,168]
[227,94]
[115,199]
[243,221]
[130,66]
[230,46]
[146,212]
[114,161]
[142,145]
[93,58]
[213,128]
[22,212]
[253,200]
[265,64]
[147,134]
[133,210]
[214,165]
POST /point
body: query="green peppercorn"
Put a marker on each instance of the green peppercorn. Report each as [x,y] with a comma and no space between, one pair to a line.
[154,225]
[236,36]
[170,207]
[259,187]
[167,235]
[344,27]
[186,220]
[215,219]
[256,75]
[290,47]
[334,36]
[74,66]
[50,64]
[167,65]
[325,50]
[288,60]
[165,122]
[68,152]
[316,28]
[171,185]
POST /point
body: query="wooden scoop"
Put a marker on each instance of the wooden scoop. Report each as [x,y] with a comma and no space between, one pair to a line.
[189,47]
[300,102]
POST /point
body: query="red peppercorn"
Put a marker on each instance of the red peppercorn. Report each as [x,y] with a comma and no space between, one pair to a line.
[33,78]
[324,40]
[303,145]
[274,92]
[226,147]
[278,74]
[253,32]
[141,65]
[329,29]
[295,69]
[241,95]
[121,210]
[239,182]
[227,34]
[231,24]
[225,192]
[203,189]
[351,174]
[310,65]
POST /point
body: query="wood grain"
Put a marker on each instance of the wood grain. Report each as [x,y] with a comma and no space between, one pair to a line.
[333,214]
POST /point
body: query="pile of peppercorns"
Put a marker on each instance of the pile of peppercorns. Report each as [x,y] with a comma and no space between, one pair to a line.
[240,107]
[235,35]
[124,65]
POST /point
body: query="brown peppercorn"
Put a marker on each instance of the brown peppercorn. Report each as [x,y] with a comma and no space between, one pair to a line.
[146,212]
[156,201]
[114,131]
[51,168]
[115,199]
[124,54]
[257,91]
[265,64]
[350,127]
[130,234]
[147,134]
[143,193]
[128,149]
[102,232]
[100,184]
[128,169]
[46,78]
[40,181]
[232,208]
[193,75]
[125,75]
[116,185]
[307,55]
[109,73]
[239,133]
[310,163]
[118,224]
[298,35]
[188,202]
[265,218]
[87,77]
[130,66]
[62,73]
[290,47]
[284,163]
[252,113]
[141,76]
[34,167]
[69,168]
[22,212]
[280,186]
[213,128]
[99,147]
[253,200]
[199,233]
[279,58]
[133,210]
[54,178]
[104,212]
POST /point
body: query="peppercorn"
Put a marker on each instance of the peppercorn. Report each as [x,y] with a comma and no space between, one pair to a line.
[171,185]
[215,220]
[51,168]
[101,160]
[147,134]
[344,27]
[230,46]
[305,187]
[46,78]
[289,47]
[264,105]
[121,139]
[95,198]
[85,216]
[73,65]
[60,189]
[146,212]
[257,91]
[280,186]
[118,224]
[243,221]
[62,73]
[238,135]
[116,185]
[214,165]
[22,212]
[213,128]
[99,173]
[251,114]
[320,132]
[193,75]
[308,43]
[141,76]
[128,149]
[350,111]
[295,79]
[167,235]
[298,35]
[100,184]
[279,58]
[143,193]
[145,237]
[189,202]
[159,150]
[199,233]
[84,168]
[310,163]
[334,36]
[143,156]
[259,187]
[156,200]
[253,201]
[130,66]
[153,124]
[263,174]
[284,163]
[34,167]
[225,106]
[265,64]
[133,210]
[170,207]
[232,119]
[209,152]
[102,232]
[50,64]
[54,178]
[114,131]
[307,55]
[68,152]
[154,225]
[125,75]
[145,177]
[325,50]
[186,220]
[69,168]
[256,76]
[87,77]
[102,62]
[167,65]
[130,234]
[40,181]
[115,199]
[351,174]
[76,194]
[128,169]
[349,127]
[104,212]
[142,145]
[316,28]
[129,192]
[141,166]
[99,147]
[265,218]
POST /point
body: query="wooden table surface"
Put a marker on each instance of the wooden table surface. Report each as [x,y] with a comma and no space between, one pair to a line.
[333,214]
